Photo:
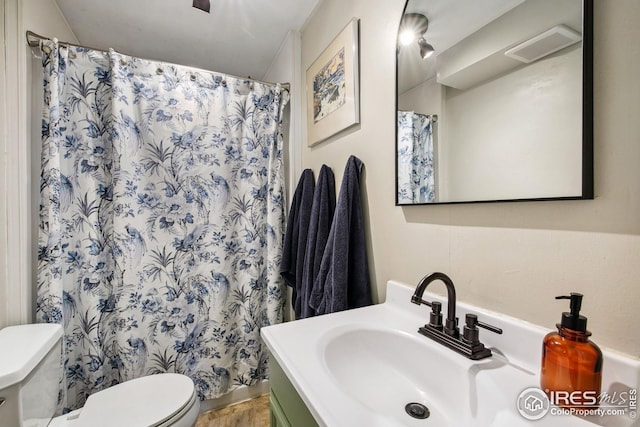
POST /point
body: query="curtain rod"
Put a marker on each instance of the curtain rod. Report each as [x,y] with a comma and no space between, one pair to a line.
[33,39]
[434,117]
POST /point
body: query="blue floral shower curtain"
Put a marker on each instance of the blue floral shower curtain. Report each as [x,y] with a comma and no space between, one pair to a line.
[416,172]
[161,220]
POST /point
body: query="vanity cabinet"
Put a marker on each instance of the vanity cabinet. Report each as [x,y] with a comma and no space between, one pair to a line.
[286,407]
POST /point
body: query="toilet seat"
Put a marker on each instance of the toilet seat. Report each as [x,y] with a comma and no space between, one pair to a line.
[152,401]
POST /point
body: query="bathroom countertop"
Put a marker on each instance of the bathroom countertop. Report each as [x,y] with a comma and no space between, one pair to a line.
[300,348]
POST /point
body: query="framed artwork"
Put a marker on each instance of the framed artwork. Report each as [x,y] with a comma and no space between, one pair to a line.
[333,89]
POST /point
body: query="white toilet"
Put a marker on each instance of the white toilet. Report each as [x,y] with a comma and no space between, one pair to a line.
[30,371]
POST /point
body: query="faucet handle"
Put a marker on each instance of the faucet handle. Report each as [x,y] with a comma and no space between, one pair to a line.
[470,333]
[471,321]
[491,328]
[470,330]
[435,318]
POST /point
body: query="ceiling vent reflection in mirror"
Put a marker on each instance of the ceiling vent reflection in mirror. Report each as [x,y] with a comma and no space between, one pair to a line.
[544,44]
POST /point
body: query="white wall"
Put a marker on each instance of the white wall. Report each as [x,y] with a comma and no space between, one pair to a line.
[20,142]
[425,98]
[502,144]
[4,317]
[515,257]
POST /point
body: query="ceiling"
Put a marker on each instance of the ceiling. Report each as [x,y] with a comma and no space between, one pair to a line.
[239,37]
[450,21]
[471,36]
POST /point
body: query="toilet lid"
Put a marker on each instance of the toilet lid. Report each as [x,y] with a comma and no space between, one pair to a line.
[146,401]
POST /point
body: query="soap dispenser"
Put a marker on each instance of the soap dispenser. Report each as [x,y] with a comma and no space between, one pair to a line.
[571,373]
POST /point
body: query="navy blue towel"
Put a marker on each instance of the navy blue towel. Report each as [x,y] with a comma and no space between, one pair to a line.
[324,204]
[343,280]
[295,237]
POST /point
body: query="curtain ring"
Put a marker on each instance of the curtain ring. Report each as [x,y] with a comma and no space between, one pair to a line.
[123,62]
[192,77]
[159,70]
[224,83]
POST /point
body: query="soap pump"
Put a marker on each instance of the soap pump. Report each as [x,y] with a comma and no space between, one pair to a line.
[571,373]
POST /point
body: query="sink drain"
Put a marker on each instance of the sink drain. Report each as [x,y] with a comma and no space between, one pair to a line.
[417,410]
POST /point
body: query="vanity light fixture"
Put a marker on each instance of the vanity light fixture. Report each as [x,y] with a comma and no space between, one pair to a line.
[426,50]
[412,29]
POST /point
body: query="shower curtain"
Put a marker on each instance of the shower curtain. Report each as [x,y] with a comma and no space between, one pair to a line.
[161,220]
[416,173]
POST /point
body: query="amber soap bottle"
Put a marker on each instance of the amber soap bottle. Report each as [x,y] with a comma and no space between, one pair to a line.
[571,373]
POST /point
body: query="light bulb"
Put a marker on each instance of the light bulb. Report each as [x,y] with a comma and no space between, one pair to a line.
[407,37]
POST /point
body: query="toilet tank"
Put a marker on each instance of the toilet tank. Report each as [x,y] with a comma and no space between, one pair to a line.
[30,374]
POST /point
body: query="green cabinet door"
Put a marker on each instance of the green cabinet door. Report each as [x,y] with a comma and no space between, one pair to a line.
[287,408]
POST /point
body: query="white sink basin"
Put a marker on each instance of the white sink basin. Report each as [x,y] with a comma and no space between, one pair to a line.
[362,367]
[386,369]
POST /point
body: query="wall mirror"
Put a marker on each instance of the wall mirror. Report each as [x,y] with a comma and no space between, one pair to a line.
[494,101]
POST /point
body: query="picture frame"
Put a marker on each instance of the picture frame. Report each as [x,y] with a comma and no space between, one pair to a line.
[333,86]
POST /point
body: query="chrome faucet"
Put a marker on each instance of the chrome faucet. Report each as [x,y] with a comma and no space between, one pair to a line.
[448,335]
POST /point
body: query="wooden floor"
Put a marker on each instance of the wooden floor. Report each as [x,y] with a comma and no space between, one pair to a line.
[252,413]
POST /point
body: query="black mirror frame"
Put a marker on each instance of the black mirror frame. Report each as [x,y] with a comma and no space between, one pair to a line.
[587,121]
